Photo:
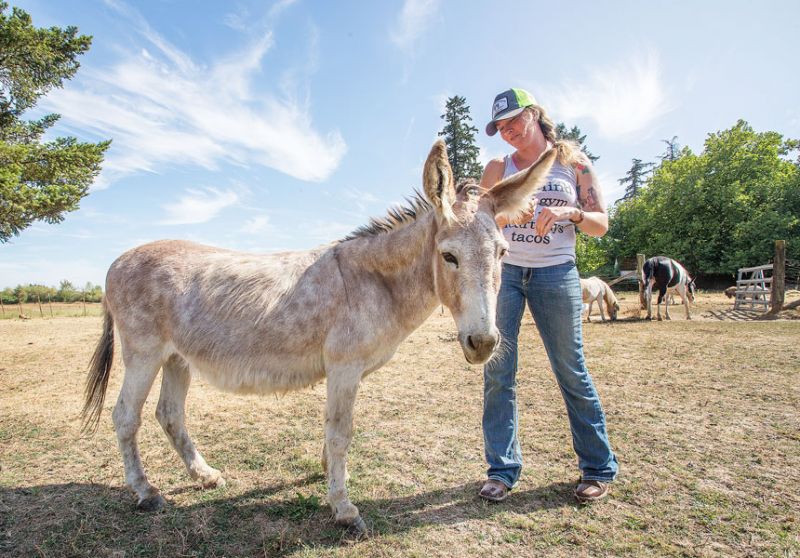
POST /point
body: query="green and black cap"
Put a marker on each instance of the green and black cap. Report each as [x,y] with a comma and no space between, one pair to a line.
[508,104]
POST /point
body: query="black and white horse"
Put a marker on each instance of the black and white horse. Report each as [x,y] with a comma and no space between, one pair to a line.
[666,275]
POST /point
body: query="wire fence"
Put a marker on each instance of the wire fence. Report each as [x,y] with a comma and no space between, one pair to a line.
[49,310]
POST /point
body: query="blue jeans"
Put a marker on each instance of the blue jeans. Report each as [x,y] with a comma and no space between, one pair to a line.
[554,298]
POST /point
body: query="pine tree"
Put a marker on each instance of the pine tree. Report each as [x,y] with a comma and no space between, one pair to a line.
[575,135]
[39,180]
[673,149]
[459,136]
[635,177]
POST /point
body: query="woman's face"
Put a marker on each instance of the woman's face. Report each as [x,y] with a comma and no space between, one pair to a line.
[518,131]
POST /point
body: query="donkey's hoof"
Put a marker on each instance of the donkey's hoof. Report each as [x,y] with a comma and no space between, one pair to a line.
[357,528]
[216,481]
[153,503]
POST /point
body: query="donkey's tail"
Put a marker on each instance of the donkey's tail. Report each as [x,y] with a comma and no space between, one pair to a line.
[99,371]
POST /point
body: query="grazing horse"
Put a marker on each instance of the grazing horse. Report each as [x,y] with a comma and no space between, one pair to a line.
[666,275]
[595,289]
[261,323]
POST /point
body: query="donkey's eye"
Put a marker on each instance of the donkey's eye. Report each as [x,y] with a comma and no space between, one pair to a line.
[450,258]
[503,252]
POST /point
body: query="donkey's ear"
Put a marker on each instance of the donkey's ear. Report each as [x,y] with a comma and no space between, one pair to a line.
[437,179]
[511,196]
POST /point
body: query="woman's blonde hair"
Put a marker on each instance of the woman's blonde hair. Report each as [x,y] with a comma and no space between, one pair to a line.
[569,152]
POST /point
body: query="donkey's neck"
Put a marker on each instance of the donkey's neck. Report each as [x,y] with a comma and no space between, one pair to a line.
[402,261]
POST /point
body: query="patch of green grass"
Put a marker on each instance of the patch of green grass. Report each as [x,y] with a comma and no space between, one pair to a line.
[635,523]
[300,508]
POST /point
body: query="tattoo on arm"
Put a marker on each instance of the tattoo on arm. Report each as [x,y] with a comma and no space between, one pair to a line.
[591,198]
[590,202]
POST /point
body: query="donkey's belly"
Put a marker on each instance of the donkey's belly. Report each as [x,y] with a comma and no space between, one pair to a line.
[268,375]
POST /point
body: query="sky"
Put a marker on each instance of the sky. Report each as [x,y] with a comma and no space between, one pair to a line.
[270,126]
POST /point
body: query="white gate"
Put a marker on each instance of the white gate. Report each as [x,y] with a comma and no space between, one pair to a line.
[753,287]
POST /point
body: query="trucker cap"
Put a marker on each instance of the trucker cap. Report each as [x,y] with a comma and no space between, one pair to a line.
[508,104]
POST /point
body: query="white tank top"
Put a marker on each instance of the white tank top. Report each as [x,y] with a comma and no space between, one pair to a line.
[528,249]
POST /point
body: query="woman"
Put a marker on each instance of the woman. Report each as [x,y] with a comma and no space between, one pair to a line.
[540,268]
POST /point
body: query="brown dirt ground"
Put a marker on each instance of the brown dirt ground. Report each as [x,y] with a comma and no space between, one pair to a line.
[703,415]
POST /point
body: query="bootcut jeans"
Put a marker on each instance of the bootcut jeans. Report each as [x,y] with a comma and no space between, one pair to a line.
[554,298]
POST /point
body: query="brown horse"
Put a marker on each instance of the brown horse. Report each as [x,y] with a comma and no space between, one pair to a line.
[277,322]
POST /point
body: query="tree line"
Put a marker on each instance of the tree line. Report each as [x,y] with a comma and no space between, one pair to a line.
[66,292]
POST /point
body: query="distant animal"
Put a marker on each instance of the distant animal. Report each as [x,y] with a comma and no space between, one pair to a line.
[261,323]
[730,292]
[595,289]
[666,275]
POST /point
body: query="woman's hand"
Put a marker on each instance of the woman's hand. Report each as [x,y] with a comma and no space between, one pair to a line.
[550,215]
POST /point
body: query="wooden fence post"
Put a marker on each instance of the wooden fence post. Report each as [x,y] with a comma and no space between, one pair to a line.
[50,304]
[2,308]
[639,267]
[39,300]
[778,277]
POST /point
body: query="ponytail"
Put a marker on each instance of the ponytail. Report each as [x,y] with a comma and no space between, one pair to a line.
[567,150]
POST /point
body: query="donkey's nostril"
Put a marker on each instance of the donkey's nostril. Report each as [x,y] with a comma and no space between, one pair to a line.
[471,343]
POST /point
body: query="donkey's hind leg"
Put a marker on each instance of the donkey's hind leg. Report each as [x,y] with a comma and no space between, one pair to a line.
[141,367]
[171,415]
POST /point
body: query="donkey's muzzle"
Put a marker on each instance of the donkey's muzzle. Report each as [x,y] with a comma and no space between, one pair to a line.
[479,347]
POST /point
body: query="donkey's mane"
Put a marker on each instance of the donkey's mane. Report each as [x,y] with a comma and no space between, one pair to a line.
[400,216]
[397,217]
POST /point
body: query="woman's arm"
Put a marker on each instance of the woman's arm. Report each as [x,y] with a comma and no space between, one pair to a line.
[590,198]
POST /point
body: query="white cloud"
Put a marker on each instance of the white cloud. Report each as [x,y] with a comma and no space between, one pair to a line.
[257,224]
[622,100]
[412,22]
[161,108]
[198,206]
[361,198]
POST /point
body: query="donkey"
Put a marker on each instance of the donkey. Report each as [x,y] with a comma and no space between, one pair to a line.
[260,323]
[669,277]
[595,289]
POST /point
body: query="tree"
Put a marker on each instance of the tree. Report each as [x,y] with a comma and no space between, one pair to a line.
[67,292]
[459,136]
[634,178]
[38,180]
[575,135]
[592,255]
[720,210]
[92,293]
[673,149]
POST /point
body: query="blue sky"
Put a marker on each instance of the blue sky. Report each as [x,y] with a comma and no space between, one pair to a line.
[267,126]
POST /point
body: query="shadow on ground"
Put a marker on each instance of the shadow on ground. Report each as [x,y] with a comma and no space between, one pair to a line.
[97,520]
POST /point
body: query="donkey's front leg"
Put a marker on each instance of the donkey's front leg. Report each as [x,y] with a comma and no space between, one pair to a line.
[342,389]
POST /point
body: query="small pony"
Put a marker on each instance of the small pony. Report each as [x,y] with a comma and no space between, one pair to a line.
[595,289]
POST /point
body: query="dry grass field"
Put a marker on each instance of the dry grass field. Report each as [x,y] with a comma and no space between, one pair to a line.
[704,416]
